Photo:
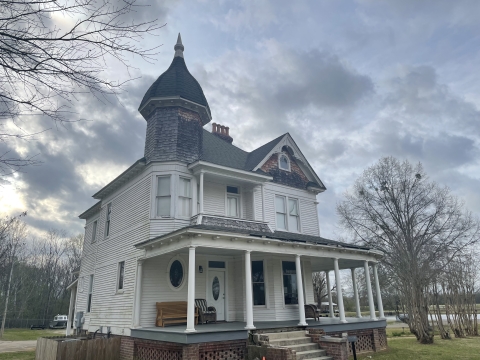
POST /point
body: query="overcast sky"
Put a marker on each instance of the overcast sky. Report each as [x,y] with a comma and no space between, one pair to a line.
[351,81]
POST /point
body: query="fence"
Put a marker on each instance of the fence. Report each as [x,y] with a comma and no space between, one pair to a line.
[75,348]
[25,323]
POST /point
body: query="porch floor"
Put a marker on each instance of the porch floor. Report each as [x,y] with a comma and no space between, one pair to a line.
[235,330]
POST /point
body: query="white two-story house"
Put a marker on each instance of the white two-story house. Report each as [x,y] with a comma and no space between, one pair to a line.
[199,218]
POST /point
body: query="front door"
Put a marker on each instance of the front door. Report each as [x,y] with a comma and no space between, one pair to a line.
[216,292]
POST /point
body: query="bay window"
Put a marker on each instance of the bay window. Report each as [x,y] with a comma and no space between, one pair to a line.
[163,197]
[184,197]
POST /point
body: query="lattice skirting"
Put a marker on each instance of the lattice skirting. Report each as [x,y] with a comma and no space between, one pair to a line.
[151,351]
[364,344]
[231,350]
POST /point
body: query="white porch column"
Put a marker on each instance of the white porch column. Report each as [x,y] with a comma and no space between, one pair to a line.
[138,294]
[379,295]
[341,309]
[248,291]
[355,293]
[301,300]
[371,305]
[73,293]
[191,290]
[201,192]
[330,300]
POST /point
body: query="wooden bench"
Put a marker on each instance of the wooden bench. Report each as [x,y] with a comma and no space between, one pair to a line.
[173,312]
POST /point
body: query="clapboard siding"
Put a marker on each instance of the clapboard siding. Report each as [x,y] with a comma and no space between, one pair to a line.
[257,199]
[214,198]
[247,203]
[155,286]
[308,217]
[164,226]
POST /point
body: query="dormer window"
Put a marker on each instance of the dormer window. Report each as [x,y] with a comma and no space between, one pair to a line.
[283,162]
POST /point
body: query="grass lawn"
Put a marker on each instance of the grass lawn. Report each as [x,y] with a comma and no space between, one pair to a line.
[22,355]
[405,348]
[27,334]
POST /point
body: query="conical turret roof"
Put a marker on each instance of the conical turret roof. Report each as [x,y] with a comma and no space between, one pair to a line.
[176,82]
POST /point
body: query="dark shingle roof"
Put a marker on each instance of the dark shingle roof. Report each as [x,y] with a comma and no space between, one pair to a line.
[220,152]
[176,81]
[257,155]
[278,235]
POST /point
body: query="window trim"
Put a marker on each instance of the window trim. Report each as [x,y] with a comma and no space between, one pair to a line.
[184,197]
[155,211]
[185,273]
[238,196]
[108,220]
[280,155]
[287,215]
[120,291]
[94,231]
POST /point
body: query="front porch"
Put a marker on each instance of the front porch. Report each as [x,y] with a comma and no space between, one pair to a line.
[227,331]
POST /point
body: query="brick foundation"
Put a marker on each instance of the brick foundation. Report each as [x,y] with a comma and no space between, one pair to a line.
[368,340]
[140,349]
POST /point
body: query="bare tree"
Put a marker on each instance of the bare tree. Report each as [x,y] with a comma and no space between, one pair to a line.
[319,287]
[419,226]
[14,234]
[52,50]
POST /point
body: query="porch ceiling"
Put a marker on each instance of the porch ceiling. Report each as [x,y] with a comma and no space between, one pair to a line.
[326,264]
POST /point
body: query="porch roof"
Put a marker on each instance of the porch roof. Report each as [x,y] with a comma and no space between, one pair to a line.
[276,235]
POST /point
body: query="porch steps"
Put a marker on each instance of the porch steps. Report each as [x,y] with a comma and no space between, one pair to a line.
[300,342]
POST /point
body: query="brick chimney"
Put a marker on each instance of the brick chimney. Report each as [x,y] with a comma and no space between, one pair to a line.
[222,132]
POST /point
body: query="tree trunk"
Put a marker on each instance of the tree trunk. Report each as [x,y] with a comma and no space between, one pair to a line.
[2,329]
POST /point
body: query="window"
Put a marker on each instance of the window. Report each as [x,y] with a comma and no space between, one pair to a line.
[258,283]
[107,223]
[293,215]
[94,231]
[281,213]
[90,291]
[283,162]
[233,201]
[176,274]
[289,282]
[121,274]
[184,198]
[288,218]
[163,196]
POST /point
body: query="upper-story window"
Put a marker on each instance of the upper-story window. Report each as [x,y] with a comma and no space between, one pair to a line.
[184,198]
[121,275]
[287,214]
[163,197]
[94,231]
[107,222]
[283,162]
[233,201]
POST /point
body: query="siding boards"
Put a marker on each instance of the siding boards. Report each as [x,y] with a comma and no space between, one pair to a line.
[214,198]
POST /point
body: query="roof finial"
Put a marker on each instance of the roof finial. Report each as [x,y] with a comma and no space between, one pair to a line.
[179,47]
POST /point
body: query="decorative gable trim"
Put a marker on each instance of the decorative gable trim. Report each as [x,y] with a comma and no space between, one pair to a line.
[302,162]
